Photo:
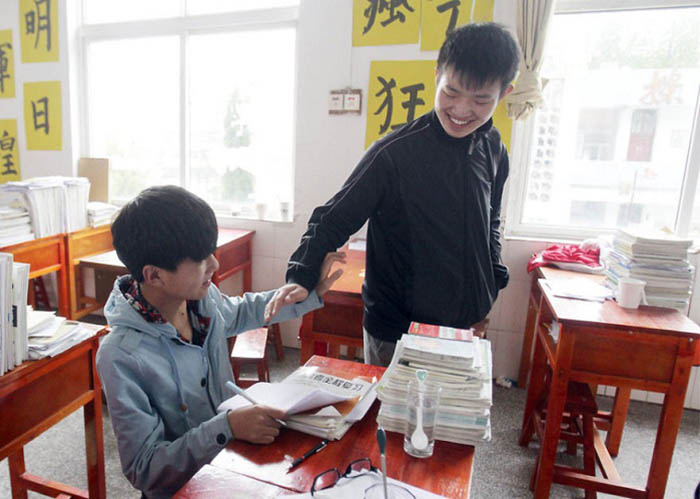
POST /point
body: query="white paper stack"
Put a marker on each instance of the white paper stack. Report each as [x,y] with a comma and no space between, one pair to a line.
[53,340]
[660,260]
[55,204]
[20,289]
[100,213]
[463,369]
[15,224]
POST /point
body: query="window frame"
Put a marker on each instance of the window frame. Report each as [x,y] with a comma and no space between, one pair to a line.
[183,27]
[523,138]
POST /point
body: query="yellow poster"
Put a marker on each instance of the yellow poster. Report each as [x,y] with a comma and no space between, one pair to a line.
[42,115]
[38,30]
[385,22]
[7,64]
[399,92]
[439,17]
[9,151]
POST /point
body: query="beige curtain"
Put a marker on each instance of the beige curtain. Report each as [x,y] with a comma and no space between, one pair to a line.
[533,18]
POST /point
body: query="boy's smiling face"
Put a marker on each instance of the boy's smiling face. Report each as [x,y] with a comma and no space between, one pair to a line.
[190,280]
[462,110]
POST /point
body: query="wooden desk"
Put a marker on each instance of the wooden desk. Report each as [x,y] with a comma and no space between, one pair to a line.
[38,394]
[92,248]
[340,320]
[648,348]
[447,473]
[44,256]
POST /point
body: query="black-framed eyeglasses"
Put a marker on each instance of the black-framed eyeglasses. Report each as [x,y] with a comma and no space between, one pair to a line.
[330,477]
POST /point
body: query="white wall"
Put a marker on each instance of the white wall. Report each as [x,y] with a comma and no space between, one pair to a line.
[38,163]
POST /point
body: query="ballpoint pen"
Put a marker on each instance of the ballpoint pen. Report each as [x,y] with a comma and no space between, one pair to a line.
[238,391]
[321,445]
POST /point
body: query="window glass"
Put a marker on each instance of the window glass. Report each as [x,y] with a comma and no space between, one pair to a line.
[134,116]
[241,120]
[610,144]
[216,6]
[109,11]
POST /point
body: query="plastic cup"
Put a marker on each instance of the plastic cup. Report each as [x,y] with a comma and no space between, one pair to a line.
[394,491]
[422,403]
[630,292]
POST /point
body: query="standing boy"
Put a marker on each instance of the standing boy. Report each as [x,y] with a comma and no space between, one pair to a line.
[165,364]
[432,193]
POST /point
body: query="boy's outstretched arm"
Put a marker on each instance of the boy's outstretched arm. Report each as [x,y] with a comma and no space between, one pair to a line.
[293,293]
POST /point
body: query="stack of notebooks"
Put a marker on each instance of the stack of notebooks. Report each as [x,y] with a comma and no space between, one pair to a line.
[100,213]
[463,369]
[14,284]
[659,260]
[55,204]
[318,403]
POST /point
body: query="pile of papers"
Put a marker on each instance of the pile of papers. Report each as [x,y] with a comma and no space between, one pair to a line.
[660,260]
[317,403]
[56,336]
[55,204]
[15,225]
[100,213]
[14,284]
[463,369]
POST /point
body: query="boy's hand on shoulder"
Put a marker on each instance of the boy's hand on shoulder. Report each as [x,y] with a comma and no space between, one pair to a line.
[286,295]
[326,281]
[255,424]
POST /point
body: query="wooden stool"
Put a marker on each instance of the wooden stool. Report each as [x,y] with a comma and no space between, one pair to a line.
[275,337]
[580,410]
[249,348]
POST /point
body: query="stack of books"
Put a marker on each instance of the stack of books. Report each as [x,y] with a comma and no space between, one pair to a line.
[463,369]
[14,285]
[100,213]
[56,337]
[15,225]
[55,204]
[659,260]
[319,403]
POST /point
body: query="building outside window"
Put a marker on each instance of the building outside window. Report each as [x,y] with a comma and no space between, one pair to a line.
[195,93]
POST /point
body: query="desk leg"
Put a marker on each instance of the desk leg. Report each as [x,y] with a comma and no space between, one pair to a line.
[535,390]
[670,421]
[617,420]
[16,464]
[94,439]
[555,411]
[528,335]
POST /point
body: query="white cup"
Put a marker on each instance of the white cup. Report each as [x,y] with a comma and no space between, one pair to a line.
[630,292]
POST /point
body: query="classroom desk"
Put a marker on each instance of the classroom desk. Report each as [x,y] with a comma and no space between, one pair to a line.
[339,322]
[44,256]
[38,394]
[649,348]
[233,251]
[447,472]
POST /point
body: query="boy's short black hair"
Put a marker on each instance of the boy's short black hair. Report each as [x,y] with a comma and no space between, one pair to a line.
[481,53]
[164,226]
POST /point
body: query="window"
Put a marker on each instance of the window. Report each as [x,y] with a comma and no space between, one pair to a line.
[610,147]
[204,100]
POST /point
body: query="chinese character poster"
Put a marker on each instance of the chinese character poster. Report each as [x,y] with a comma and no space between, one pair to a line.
[439,17]
[38,30]
[399,92]
[42,115]
[385,22]
[9,155]
[7,65]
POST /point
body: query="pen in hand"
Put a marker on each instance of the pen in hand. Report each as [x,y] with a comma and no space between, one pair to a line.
[238,391]
[321,445]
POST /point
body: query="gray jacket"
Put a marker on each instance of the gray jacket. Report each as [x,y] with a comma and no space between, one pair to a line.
[162,392]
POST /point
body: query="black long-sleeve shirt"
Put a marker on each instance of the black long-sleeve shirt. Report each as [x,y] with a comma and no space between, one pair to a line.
[433,250]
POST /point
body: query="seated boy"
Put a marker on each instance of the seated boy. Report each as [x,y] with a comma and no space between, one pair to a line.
[165,364]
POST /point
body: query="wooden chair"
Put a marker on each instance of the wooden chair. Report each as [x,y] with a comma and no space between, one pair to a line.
[249,348]
[580,411]
[275,337]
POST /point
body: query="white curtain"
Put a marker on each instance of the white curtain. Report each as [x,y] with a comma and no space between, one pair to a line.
[533,18]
